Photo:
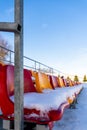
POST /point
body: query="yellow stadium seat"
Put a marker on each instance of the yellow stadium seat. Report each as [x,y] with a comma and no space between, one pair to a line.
[60,82]
[42,81]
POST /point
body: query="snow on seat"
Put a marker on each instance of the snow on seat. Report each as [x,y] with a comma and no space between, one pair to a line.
[38,107]
[48,105]
[71,91]
[47,84]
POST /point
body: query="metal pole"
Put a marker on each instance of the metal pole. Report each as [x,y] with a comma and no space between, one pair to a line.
[18,41]
[10,57]
[35,65]
[10,27]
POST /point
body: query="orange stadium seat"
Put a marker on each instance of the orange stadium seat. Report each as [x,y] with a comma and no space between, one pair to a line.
[60,82]
[42,81]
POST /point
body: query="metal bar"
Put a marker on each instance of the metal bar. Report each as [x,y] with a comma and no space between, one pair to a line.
[6,49]
[19,67]
[42,127]
[36,61]
[35,65]
[10,57]
[6,125]
[10,27]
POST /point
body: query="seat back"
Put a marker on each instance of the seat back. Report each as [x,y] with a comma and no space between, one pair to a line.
[64,81]
[42,81]
[60,82]
[7,87]
[7,106]
[28,84]
[53,81]
[70,83]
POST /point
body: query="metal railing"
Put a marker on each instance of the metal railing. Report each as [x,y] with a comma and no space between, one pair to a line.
[9,58]
[28,62]
[33,64]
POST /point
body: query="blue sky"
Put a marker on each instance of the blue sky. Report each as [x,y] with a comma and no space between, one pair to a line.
[55,32]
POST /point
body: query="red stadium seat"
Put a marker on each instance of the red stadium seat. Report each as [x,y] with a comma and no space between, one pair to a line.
[53,81]
[30,114]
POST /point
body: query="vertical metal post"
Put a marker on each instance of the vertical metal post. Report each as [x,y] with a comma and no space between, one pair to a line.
[39,66]
[18,42]
[35,65]
[10,57]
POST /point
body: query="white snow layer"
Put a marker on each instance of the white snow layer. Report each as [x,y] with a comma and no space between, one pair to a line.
[49,99]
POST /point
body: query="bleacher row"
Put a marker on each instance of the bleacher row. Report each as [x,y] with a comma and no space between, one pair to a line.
[45,96]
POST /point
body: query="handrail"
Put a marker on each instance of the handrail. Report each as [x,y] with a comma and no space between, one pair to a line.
[27,58]
[36,65]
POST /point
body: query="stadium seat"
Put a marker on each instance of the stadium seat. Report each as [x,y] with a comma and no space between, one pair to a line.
[33,111]
[60,82]
[42,81]
[53,81]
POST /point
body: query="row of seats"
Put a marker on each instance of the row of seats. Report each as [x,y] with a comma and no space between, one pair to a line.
[43,81]
[45,96]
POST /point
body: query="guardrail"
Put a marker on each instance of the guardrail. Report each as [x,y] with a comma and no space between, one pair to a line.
[28,62]
[33,64]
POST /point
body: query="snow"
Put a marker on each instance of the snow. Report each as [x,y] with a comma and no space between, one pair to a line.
[75,119]
[49,99]
[43,101]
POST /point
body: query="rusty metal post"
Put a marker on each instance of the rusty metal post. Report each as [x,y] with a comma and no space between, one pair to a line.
[18,41]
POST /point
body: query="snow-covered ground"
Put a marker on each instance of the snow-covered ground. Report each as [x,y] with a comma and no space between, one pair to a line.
[75,119]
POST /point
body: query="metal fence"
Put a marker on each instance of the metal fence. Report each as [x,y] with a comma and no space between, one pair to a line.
[33,64]
[28,62]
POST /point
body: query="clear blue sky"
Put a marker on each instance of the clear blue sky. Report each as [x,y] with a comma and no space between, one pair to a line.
[55,32]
